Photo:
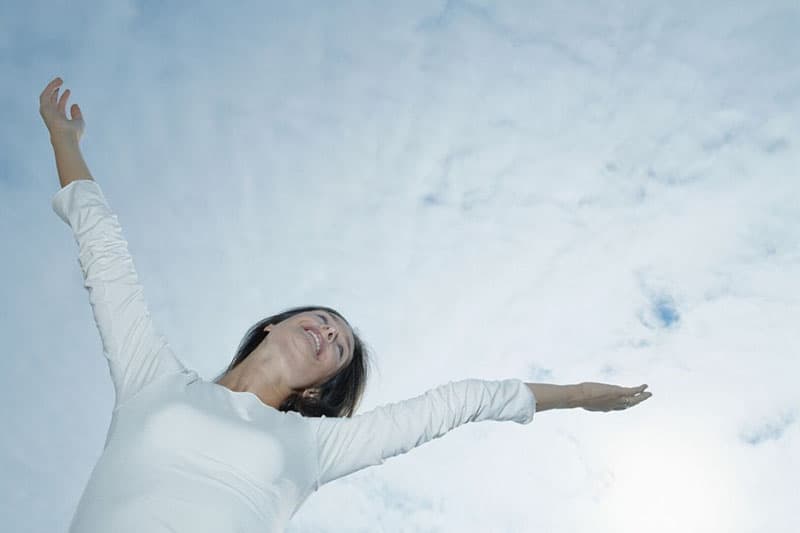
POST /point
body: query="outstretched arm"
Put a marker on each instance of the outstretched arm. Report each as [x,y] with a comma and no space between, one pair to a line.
[136,352]
[346,445]
[588,395]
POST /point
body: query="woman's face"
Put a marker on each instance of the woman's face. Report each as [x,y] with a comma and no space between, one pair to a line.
[297,338]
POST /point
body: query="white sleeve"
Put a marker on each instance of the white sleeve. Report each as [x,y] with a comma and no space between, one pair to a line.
[346,445]
[136,352]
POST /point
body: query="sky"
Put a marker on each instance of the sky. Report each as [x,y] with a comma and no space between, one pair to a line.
[554,192]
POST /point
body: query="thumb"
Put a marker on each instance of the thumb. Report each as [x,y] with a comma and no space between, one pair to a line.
[76,111]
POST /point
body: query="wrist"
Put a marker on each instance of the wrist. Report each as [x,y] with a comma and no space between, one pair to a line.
[551,396]
[64,140]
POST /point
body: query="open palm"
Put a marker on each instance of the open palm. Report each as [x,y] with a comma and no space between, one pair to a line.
[53,111]
[606,397]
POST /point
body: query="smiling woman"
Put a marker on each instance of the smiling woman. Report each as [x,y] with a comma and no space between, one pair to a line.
[243,453]
[335,390]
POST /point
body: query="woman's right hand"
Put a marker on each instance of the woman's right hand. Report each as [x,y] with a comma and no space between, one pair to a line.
[53,111]
[605,397]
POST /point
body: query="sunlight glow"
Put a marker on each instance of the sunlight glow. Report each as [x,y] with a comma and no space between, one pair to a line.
[670,480]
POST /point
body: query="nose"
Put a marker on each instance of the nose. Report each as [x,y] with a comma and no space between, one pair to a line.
[329,332]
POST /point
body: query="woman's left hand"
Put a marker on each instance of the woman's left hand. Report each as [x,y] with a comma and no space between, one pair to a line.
[605,397]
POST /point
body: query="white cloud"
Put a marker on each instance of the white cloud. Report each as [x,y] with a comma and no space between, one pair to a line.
[488,190]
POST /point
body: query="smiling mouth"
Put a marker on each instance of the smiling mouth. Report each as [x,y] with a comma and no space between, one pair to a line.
[310,337]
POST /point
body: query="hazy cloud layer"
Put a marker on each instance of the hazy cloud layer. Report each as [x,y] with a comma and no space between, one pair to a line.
[557,193]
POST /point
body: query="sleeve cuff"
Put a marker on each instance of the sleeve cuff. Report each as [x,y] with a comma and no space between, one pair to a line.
[65,199]
[530,403]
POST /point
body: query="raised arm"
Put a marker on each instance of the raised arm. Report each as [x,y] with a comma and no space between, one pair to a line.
[136,352]
[346,445]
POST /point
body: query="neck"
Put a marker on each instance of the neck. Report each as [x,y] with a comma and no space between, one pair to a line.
[244,379]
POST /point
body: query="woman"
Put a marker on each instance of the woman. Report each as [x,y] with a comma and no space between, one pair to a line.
[243,452]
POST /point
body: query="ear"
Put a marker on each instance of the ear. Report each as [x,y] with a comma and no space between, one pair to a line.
[311,393]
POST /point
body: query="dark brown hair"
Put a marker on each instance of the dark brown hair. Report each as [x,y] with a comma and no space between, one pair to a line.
[339,396]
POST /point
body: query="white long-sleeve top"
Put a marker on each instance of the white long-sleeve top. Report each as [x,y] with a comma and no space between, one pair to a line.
[185,455]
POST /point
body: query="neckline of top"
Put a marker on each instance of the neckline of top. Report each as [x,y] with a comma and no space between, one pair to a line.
[246,394]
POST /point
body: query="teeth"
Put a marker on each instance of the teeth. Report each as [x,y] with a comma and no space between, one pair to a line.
[316,340]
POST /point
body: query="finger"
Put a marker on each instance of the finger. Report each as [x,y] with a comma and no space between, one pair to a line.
[626,405]
[640,398]
[62,102]
[54,92]
[49,88]
[76,112]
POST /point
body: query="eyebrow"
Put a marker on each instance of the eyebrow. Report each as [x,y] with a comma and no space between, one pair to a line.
[325,318]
